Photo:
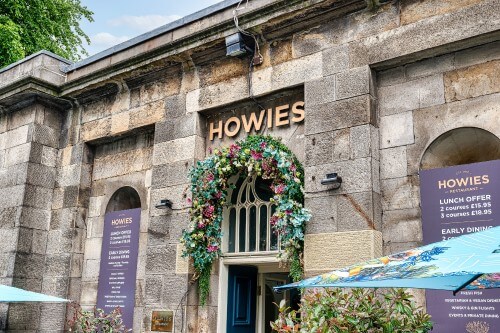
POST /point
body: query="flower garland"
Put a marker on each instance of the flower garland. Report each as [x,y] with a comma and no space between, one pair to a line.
[258,155]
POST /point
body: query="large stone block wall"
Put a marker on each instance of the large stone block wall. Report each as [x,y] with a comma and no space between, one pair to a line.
[417,103]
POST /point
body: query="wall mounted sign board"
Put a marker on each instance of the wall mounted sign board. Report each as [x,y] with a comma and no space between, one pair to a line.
[455,201]
[162,321]
[118,269]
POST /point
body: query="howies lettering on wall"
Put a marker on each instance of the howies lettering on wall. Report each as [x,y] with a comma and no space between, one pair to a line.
[273,117]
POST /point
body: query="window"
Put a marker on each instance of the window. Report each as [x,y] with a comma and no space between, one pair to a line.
[247,228]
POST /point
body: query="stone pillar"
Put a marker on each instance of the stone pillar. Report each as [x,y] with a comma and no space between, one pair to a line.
[342,136]
[179,143]
[30,144]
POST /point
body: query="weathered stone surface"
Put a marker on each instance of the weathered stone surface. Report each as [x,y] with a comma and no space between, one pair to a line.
[49,156]
[477,55]
[60,241]
[426,34]
[413,11]
[351,247]
[91,270]
[16,137]
[355,212]
[396,130]
[320,91]
[429,123]
[353,82]
[9,243]
[180,127]
[93,248]
[217,95]
[400,193]
[41,175]
[122,163]
[356,176]
[57,264]
[430,66]
[391,76]
[297,71]
[95,129]
[178,194]
[160,259]
[35,218]
[393,162]
[120,123]
[340,114]
[23,317]
[52,317]
[179,150]
[324,214]
[89,293]
[39,243]
[45,135]
[147,114]
[335,60]
[29,265]
[12,196]
[17,154]
[411,95]
[478,80]
[361,143]
[402,226]
[171,174]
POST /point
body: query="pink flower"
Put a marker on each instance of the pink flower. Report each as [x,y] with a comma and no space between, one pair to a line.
[201,225]
[218,195]
[263,145]
[256,155]
[189,201]
[210,177]
[209,211]
[212,248]
[288,212]
[279,189]
[274,219]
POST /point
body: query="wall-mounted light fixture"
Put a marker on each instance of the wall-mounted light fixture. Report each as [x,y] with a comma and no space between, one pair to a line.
[237,45]
[332,179]
[164,204]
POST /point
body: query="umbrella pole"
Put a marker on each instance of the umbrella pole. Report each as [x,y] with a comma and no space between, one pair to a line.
[474,278]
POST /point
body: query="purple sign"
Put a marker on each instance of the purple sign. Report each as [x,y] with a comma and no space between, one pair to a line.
[455,201]
[120,245]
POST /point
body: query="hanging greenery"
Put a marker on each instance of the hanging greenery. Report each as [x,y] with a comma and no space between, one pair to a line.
[259,155]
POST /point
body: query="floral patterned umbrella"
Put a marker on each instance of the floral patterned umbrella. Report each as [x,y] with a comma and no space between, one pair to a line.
[470,261]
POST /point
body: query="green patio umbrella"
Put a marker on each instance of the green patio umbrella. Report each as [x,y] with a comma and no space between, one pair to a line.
[16,295]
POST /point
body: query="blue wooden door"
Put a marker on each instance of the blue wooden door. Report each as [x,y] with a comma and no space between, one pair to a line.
[242,299]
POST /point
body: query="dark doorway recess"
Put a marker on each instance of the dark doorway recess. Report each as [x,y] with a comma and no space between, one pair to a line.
[123,199]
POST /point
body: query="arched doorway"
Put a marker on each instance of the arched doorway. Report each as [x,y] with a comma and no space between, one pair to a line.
[463,145]
[124,198]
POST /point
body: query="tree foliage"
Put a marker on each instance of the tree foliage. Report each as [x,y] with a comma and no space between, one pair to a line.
[28,26]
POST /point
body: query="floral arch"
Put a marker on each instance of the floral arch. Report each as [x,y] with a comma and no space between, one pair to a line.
[259,155]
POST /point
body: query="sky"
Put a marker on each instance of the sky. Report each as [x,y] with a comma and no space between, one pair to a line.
[116,21]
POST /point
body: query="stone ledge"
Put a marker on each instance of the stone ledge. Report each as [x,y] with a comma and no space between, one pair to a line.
[326,252]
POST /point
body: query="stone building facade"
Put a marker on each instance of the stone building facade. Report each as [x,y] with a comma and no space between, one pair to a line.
[389,87]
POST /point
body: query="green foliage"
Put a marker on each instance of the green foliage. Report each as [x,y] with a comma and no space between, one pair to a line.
[11,48]
[28,26]
[95,321]
[259,155]
[356,310]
